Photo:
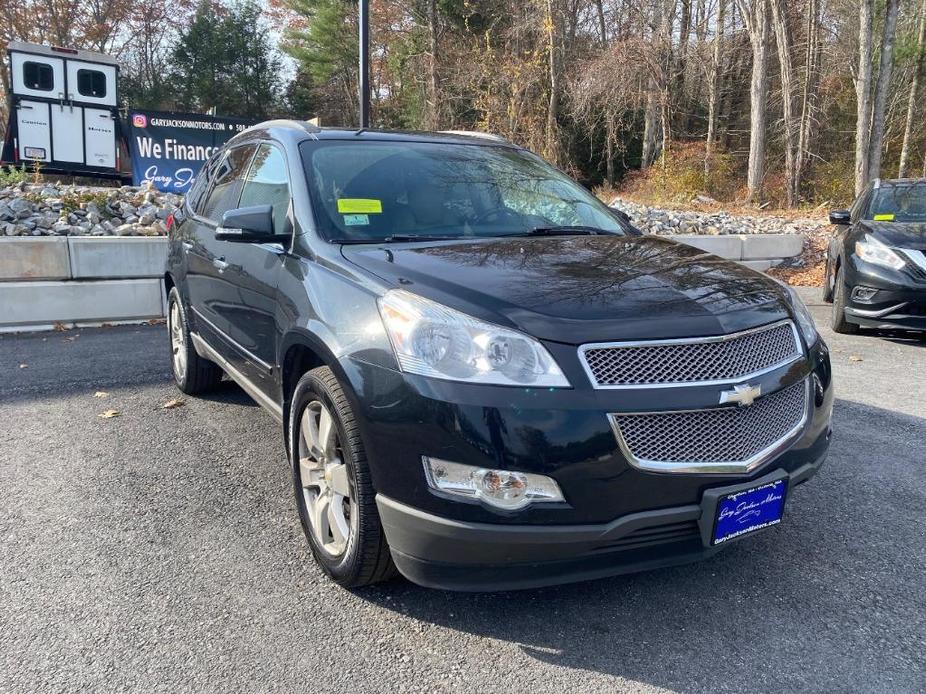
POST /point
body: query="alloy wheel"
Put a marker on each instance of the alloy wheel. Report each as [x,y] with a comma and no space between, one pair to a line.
[177,342]
[326,488]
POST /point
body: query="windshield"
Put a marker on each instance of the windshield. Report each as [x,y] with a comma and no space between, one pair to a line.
[898,203]
[375,191]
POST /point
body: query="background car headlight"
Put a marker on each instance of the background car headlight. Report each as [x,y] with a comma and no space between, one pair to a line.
[871,250]
[434,340]
[503,489]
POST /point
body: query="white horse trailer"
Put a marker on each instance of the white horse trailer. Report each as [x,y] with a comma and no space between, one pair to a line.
[63,110]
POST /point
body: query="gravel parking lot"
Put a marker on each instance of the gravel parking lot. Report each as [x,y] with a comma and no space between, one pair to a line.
[159,550]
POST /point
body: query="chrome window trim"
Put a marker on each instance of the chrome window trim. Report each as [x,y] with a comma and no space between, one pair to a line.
[798,343]
[708,467]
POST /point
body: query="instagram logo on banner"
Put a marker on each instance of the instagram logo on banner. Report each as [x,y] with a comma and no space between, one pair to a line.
[139,120]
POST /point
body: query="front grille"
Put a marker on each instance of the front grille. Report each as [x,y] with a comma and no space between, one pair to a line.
[721,436]
[720,359]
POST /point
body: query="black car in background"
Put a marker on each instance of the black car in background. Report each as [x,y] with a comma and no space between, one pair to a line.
[876,259]
[485,379]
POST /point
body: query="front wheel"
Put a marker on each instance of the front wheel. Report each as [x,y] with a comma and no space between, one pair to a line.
[331,480]
[838,317]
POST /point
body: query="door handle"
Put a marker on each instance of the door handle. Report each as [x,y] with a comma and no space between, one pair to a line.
[220,264]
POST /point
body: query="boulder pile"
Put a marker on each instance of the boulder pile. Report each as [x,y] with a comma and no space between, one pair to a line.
[50,209]
[654,220]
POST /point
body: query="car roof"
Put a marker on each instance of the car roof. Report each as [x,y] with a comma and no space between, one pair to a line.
[889,182]
[295,132]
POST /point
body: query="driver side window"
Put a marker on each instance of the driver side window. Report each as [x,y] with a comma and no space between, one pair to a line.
[267,183]
[226,183]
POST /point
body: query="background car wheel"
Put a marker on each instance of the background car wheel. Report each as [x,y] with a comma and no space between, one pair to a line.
[331,479]
[828,283]
[838,317]
[192,373]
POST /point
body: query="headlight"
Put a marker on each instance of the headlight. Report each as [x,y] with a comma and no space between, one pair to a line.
[804,319]
[504,489]
[433,340]
[873,251]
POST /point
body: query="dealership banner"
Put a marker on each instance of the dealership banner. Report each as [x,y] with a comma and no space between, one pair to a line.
[169,148]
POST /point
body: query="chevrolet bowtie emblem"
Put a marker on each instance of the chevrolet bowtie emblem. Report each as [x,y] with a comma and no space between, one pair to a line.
[742,395]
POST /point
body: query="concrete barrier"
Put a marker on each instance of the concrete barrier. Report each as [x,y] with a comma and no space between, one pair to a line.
[41,305]
[117,256]
[34,258]
[92,280]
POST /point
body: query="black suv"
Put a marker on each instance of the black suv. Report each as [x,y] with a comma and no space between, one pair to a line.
[876,259]
[485,379]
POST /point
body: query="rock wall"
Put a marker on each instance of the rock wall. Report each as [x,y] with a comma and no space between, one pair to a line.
[66,210]
[654,220]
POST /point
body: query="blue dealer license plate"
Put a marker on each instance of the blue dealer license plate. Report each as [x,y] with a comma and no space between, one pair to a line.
[749,510]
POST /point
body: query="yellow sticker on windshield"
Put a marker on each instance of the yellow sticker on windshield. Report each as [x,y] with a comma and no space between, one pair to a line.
[884,217]
[359,206]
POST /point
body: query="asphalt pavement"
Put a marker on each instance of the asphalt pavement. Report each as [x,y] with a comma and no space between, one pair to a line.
[159,551]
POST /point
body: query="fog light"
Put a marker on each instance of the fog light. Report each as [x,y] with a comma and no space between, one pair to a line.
[503,489]
[864,293]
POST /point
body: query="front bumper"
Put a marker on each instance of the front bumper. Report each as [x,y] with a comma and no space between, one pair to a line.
[449,554]
[899,302]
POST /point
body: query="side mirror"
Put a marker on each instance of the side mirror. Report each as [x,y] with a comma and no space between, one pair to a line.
[247,225]
[840,217]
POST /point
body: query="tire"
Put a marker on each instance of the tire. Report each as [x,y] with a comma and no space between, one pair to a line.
[828,283]
[333,486]
[838,316]
[192,373]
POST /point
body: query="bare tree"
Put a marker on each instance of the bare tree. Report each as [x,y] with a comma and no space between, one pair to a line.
[882,88]
[914,93]
[756,17]
[712,88]
[863,95]
[783,40]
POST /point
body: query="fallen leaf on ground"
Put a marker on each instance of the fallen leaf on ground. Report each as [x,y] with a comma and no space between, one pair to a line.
[109,414]
[60,327]
[855,357]
[171,404]
[157,321]
[23,366]
[101,394]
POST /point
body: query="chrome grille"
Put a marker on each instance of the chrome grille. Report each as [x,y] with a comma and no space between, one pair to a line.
[720,359]
[722,437]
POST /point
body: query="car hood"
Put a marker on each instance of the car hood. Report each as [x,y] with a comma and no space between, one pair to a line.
[897,234]
[578,289]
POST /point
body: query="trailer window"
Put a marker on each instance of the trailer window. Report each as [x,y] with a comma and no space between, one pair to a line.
[38,76]
[91,83]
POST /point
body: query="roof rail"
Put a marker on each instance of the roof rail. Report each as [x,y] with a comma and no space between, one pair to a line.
[476,133]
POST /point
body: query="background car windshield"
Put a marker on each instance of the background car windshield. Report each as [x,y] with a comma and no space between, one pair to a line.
[901,203]
[372,190]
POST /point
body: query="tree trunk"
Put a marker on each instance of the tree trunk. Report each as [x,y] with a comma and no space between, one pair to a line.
[914,93]
[783,40]
[808,98]
[602,29]
[552,150]
[882,89]
[755,15]
[434,118]
[712,90]
[650,124]
[863,96]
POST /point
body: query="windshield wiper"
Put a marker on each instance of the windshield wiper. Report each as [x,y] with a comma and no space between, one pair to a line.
[398,238]
[565,230]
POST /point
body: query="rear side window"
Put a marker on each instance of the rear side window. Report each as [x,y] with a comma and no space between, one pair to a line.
[267,183]
[226,182]
[38,76]
[91,83]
